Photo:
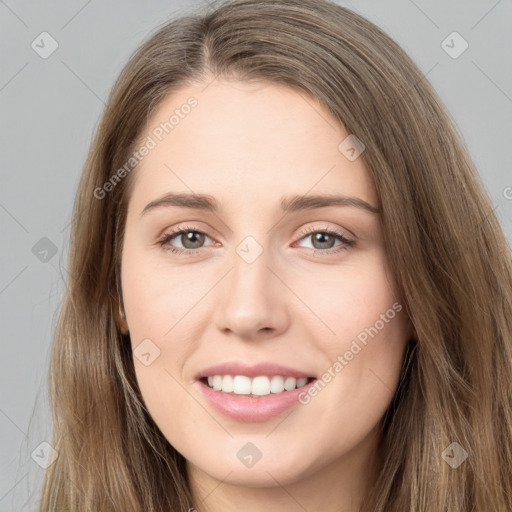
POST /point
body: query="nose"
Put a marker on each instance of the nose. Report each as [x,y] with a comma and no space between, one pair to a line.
[252,300]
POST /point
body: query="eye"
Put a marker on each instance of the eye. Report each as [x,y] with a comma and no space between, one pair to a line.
[190,237]
[324,238]
[192,240]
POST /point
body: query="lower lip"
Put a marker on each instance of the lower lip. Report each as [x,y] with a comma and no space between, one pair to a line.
[252,409]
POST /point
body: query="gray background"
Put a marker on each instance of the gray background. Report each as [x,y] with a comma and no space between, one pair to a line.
[50,108]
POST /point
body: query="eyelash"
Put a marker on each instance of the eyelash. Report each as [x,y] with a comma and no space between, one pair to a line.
[192,252]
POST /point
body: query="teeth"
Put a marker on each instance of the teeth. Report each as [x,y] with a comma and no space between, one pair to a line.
[258,386]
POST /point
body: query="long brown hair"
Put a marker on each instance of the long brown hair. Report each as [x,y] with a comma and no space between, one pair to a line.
[445,246]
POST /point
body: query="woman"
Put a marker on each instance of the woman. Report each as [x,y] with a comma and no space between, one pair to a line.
[206,358]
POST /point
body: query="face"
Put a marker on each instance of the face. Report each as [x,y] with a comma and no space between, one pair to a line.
[300,296]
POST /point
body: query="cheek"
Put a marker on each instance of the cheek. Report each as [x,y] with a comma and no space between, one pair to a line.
[161,304]
[156,296]
[349,302]
[363,340]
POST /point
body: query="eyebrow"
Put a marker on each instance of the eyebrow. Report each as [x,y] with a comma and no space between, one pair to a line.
[289,204]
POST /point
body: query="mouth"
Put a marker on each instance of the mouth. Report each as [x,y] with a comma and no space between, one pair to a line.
[250,399]
[253,392]
[259,386]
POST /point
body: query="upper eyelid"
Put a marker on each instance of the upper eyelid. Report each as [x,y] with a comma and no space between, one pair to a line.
[345,242]
[304,232]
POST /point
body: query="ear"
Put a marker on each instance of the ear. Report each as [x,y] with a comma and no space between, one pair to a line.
[123,327]
[120,320]
[119,314]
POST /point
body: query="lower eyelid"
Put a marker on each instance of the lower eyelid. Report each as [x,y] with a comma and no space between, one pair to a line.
[344,245]
[167,237]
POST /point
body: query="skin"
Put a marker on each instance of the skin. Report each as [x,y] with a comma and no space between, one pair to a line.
[249,145]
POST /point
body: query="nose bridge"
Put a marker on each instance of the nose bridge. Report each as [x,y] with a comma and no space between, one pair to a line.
[250,301]
[250,277]
[251,257]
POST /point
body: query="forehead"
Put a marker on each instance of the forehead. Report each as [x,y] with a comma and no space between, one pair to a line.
[246,141]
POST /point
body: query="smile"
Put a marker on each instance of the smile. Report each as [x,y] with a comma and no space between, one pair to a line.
[258,386]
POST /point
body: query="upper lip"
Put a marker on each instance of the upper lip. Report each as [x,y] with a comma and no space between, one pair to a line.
[239,368]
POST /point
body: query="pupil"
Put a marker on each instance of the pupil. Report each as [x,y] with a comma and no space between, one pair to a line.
[189,238]
[318,238]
